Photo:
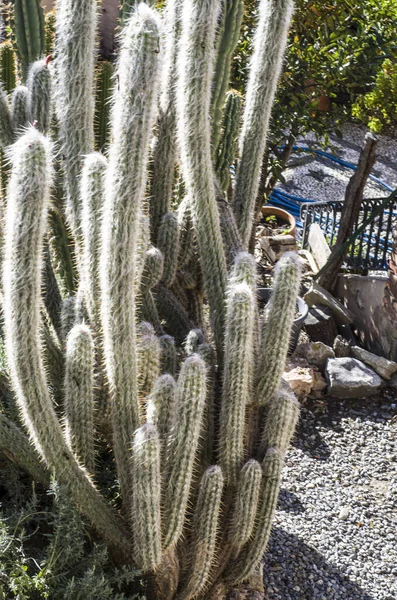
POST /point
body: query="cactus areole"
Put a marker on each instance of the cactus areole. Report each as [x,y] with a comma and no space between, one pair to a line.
[147,308]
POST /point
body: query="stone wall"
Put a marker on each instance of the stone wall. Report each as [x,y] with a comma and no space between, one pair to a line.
[375,312]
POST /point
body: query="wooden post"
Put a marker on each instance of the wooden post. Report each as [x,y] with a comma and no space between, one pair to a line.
[350,211]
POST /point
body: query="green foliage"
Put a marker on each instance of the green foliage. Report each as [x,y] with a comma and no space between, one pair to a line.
[61,563]
[335,51]
[378,108]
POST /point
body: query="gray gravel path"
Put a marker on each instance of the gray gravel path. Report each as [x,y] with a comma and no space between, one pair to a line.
[335,535]
[320,179]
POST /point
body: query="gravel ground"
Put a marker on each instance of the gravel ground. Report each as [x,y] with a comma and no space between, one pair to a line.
[319,178]
[335,531]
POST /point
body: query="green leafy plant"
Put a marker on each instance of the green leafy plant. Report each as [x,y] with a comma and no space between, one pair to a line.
[378,108]
[335,51]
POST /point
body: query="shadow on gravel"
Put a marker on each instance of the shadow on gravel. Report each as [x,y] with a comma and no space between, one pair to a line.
[289,502]
[378,409]
[295,571]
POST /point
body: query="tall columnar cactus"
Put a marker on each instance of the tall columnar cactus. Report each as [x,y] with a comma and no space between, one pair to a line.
[50,21]
[7,66]
[79,395]
[92,199]
[269,44]
[19,109]
[237,377]
[168,244]
[198,422]
[227,147]
[199,21]
[103,95]
[28,20]
[74,67]
[40,95]
[232,15]
[164,153]
[132,120]
[6,130]
[26,220]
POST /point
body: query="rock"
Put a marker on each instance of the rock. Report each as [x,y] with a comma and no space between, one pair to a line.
[318,245]
[320,325]
[347,333]
[341,347]
[350,378]
[393,382]
[385,368]
[308,260]
[277,245]
[344,513]
[316,353]
[300,380]
[319,383]
[319,295]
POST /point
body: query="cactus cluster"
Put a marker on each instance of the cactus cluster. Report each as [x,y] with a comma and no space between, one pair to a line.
[142,336]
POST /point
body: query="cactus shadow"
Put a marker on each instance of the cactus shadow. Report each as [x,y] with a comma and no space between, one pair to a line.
[295,571]
[308,439]
[289,502]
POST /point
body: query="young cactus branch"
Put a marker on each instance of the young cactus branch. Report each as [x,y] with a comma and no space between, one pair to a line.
[79,395]
[184,439]
[161,405]
[132,119]
[164,153]
[205,528]
[19,109]
[269,45]
[226,152]
[277,326]
[6,132]
[272,466]
[228,37]
[237,378]
[245,507]
[195,68]
[92,197]
[74,66]
[282,415]
[168,243]
[146,498]
[169,356]
[40,102]
[148,358]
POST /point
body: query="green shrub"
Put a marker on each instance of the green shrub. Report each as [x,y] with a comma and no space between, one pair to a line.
[378,108]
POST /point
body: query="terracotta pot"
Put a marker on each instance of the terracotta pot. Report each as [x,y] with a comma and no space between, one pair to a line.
[267,211]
